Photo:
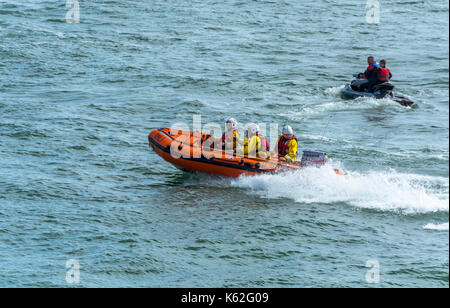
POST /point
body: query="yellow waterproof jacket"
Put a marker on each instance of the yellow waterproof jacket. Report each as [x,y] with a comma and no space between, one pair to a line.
[253,147]
[292,148]
[230,140]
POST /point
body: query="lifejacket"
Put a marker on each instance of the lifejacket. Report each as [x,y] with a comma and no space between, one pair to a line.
[283,145]
[264,148]
[384,74]
[264,144]
[371,71]
[260,150]
[225,134]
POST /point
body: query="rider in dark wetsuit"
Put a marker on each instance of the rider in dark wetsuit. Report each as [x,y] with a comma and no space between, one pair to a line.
[371,73]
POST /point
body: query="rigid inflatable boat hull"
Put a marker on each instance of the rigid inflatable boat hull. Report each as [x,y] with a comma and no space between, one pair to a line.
[187,151]
[189,156]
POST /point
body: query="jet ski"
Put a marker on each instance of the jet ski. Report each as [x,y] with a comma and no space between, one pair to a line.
[190,152]
[358,88]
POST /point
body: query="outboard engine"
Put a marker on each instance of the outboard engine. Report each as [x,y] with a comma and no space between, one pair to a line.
[311,158]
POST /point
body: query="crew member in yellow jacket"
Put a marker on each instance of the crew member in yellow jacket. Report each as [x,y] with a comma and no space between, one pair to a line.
[287,145]
[254,145]
[230,138]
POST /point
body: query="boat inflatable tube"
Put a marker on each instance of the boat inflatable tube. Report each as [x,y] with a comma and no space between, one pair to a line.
[190,152]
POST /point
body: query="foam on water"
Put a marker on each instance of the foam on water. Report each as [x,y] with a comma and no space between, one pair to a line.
[334,91]
[441,227]
[385,191]
[362,103]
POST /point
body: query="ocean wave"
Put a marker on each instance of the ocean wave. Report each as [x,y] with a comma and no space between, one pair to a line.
[334,91]
[341,105]
[379,190]
[440,227]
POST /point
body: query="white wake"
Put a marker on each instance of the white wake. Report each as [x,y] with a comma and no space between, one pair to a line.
[385,191]
[441,227]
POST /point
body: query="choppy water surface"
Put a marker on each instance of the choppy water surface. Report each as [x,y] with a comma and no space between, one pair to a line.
[78,181]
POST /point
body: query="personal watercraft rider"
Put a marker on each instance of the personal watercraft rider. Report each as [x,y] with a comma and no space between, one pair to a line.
[384,74]
[255,145]
[371,73]
[287,145]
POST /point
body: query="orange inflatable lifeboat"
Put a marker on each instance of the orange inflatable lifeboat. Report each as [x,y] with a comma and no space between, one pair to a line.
[190,152]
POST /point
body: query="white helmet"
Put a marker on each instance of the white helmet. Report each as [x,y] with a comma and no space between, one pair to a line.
[232,121]
[287,130]
[253,128]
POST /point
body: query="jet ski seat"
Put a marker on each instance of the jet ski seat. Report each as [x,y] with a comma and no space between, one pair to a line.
[386,86]
[359,85]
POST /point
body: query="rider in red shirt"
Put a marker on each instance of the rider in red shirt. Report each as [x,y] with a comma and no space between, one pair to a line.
[371,73]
